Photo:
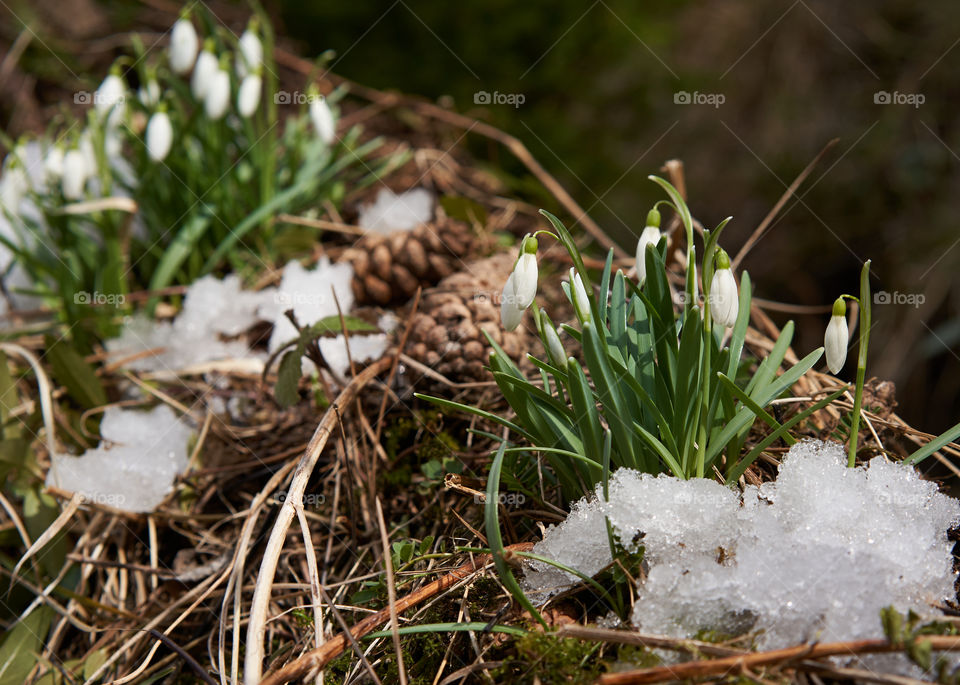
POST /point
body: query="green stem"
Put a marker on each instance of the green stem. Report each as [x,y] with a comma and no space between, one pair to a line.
[861,363]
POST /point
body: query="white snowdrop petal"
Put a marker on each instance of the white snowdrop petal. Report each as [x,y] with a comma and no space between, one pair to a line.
[724,301]
[250,53]
[74,175]
[217,100]
[835,341]
[248,98]
[580,295]
[203,73]
[554,347]
[53,164]
[183,46]
[650,236]
[510,313]
[525,280]
[159,136]
[323,121]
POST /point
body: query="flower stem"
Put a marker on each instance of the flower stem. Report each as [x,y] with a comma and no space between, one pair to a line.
[861,363]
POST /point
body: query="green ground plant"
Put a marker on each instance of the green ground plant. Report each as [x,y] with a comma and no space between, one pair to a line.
[160,186]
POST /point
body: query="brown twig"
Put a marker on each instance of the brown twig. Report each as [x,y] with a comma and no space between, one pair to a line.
[787,194]
[737,663]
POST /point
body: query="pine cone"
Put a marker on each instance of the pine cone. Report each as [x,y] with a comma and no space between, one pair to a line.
[447,332]
[389,268]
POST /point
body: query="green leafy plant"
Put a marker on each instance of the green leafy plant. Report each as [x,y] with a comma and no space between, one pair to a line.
[663,383]
[160,188]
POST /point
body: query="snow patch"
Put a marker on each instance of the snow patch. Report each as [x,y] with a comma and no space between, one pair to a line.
[134,466]
[397,212]
[217,312]
[814,555]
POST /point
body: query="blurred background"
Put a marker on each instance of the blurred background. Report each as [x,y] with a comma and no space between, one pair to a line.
[745,93]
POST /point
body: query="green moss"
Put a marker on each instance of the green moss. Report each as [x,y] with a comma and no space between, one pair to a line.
[543,658]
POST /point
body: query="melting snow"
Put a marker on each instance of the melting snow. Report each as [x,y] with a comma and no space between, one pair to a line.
[397,212]
[814,555]
[135,465]
[215,312]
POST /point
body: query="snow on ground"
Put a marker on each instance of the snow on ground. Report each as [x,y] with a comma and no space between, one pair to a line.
[217,312]
[397,212]
[134,467]
[814,555]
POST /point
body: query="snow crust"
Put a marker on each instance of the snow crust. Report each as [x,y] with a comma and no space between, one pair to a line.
[217,312]
[814,555]
[134,467]
[397,211]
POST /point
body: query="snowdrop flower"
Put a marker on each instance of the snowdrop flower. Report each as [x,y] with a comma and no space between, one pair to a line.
[248,97]
[723,299]
[525,274]
[53,164]
[13,184]
[510,313]
[159,135]
[322,118]
[109,98]
[581,301]
[74,174]
[836,337]
[249,51]
[204,71]
[521,286]
[217,99]
[183,45]
[87,154]
[112,143]
[554,347]
[650,236]
[149,92]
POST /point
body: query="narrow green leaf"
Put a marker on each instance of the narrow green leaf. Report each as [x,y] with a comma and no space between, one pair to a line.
[474,627]
[782,432]
[69,368]
[20,649]
[939,443]
[495,540]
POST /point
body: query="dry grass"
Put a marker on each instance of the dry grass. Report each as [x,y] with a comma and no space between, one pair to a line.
[223,574]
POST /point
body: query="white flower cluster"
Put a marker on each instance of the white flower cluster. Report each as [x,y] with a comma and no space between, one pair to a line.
[70,166]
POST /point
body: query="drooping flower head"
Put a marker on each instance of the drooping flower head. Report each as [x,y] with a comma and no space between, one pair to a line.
[650,236]
[836,337]
[159,135]
[183,45]
[217,100]
[321,116]
[204,71]
[723,299]
[249,50]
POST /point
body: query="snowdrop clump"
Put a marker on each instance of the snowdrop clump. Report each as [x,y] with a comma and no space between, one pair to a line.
[795,552]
